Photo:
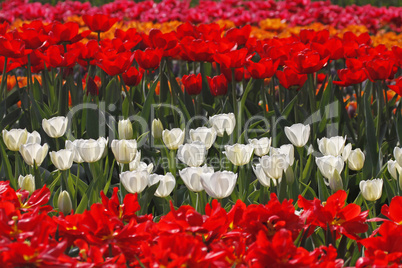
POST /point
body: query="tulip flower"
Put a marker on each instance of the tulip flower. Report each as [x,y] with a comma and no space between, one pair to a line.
[204,135]
[378,69]
[27,183]
[356,159]
[34,153]
[14,138]
[223,123]
[191,177]
[62,159]
[239,35]
[335,181]
[157,128]
[333,146]
[55,127]
[274,165]
[218,85]
[288,150]
[232,59]
[192,154]
[142,166]
[350,77]
[66,33]
[307,61]
[103,142]
[64,203]
[192,83]
[132,77]
[261,146]
[34,137]
[265,68]
[99,22]
[72,146]
[298,134]
[397,88]
[134,164]
[239,154]
[220,184]
[173,138]
[262,176]
[328,164]
[398,155]
[394,169]
[90,150]
[149,59]
[113,62]
[134,181]
[288,78]
[166,184]
[125,129]
[346,152]
[371,189]
[124,150]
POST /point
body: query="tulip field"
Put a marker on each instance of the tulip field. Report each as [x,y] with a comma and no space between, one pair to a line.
[222,134]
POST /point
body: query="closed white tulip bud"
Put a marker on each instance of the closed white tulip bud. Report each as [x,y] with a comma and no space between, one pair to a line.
[332,146]
[398,155]
[173,138]
[134,181]
[191,177]
[33,152]
[298,134]
[90,150]
[394,169]
[346,152]
[288,150]
[239,154]
[166,184]
[261,176]
[71,145]
[223,123]
[261,146]
[124,150]
[64,203]
[220,184]
[356,159]
[136,161]
[62,159]
[55,127]
[14,138]
[192,154]
[371,189]
[328,164]
[204,135]
[274,165]
[335,181]
[125,129]
[157,129]
[34,137]
[27,183]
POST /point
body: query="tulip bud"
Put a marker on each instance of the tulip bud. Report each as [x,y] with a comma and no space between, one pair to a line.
[191,177]
[204,135]
[62,159]
[125,130]
[33,152]
[14,138]
[134,181]
[219,184]
[223,123]
[64,203]
[124,150]
[27,183]
[261,146]
[173,138]
[298,134]
[157,129]
[356,159]
[346,152]
[274,165]
[33,137]
[90,150]
[398,155]
[71,145]
[333,146]
[166,184]
[328,164]
[371,189]
[192,154]
[335,181]
[239,154]
[55,127]
[261,176]
[136,161]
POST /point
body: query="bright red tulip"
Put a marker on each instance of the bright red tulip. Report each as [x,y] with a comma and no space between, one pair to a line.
[99,22]
[66,33]
[349,77]
[192,83]
[288,78]
[232,59]
[265,68]
[307,62]
[218,85]
[239,35]
[12,48]
[114,63]
[379,69]
[56,57]
[149,59]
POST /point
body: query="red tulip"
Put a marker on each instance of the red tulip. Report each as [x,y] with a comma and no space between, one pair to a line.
[265,68]
[307,62]
[379,69]
[240,73]
[197,49]
[218,85]
[56,57]
[66,33]
[192,83]
[349,77]
[88,52]
[149,59]
[232,59]
[397,88]
[11,65]
[114,63]
[288,78]
[12,48]
[99,22]
[129,38]
[132,76]
[239,35]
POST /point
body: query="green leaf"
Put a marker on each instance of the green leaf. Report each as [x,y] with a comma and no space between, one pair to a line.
[83,205]
[371,142]
[7,166]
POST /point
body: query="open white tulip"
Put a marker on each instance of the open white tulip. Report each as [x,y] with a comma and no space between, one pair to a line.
[356,159]
[398,155]
[124,150]
[90,150]
[125,129]
[64,203]
[104,142]
[328,164]
[27,183]
[33,152]
[173,138]
[223,123]
[371,189]
[192,154]
[157,129]
[55,127]
[333,146]
[204,135]
[346,151]
[288,150]
[136,161]
[134,181]
[261,146]
[14,138]
[220,184]
[261,176]
[274,165]
[166,184]
[239,154]
[34,137]
[72,146]
[62,159]
[298,134]
[394,169]
[335,181]
[191,177]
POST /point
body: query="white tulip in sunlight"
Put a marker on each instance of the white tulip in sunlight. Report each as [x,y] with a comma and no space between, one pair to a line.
[327,164]
[288,150]
[261,176]
[223,123]
[125,129]
[298,134]
[134,181]
[157,129]
[394,169]
[261,146]
[33,152]
[346,152]
[204,135]
[173,138]
[27,183]
[239,154]
[90,150]
[62,159]
[191,177]
[34,137]
[356,159]
[124,150]
[64,203]
[371,189]
[274,165]
[136,161]
[166,184]
[398,155]
[55,127]
[192,154]
[220,184]
[71,145]
[14,138]
[333,146]
[143,166]
[335,181]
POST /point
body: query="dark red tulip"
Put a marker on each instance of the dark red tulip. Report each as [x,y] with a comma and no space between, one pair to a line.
[114,63]
[240,73]
[11,65]
[218,85]
[379,69]
[288,78]
[265,68]
[132,77]
[99,22]
[192,83]
[149,59]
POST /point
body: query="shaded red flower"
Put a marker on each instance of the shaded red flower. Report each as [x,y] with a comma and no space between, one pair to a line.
[218,85]
[11,65]
[114,63]
[129,38]
[149,59]
[132,77]
[307,61]
[265,68]
[232,59]
[66,33]
[12,48]
[197,49]
[56,57]
[393,211]
[87,51]
[99,22]
[239,35]
[288,78]
[192,83]
[240,73]
[349,77]
[379,69]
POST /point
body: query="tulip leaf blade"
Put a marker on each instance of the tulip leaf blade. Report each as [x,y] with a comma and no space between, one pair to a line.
[149,101]
[371,142]
[6,166]
[83,205]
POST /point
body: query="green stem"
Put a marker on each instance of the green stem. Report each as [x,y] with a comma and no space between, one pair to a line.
[235,110]
[76,187]
[3,85]
[300,152]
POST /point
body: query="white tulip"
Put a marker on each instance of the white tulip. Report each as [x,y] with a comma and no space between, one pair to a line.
[192,154]
[394,169]
[298,134]
[346,152]
[33,152]
[166,184]
[15,138]
[34,137]
[204,135]
[261,146]
[62,159]
[125,129]
[134,181]
[261,176]
[104,142]
[55,127]
[220,184]
[274,165]
[27,183]
[173,138]
[288,150]
[356,159]
[90,150]
[157,129]
[223,123]
[191,177]
[64,203]
[371,189]
[239,154]
[136,161]
[72,146]
[335,181]
[328,164]
[332,146]
[398,155]
[124,150]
